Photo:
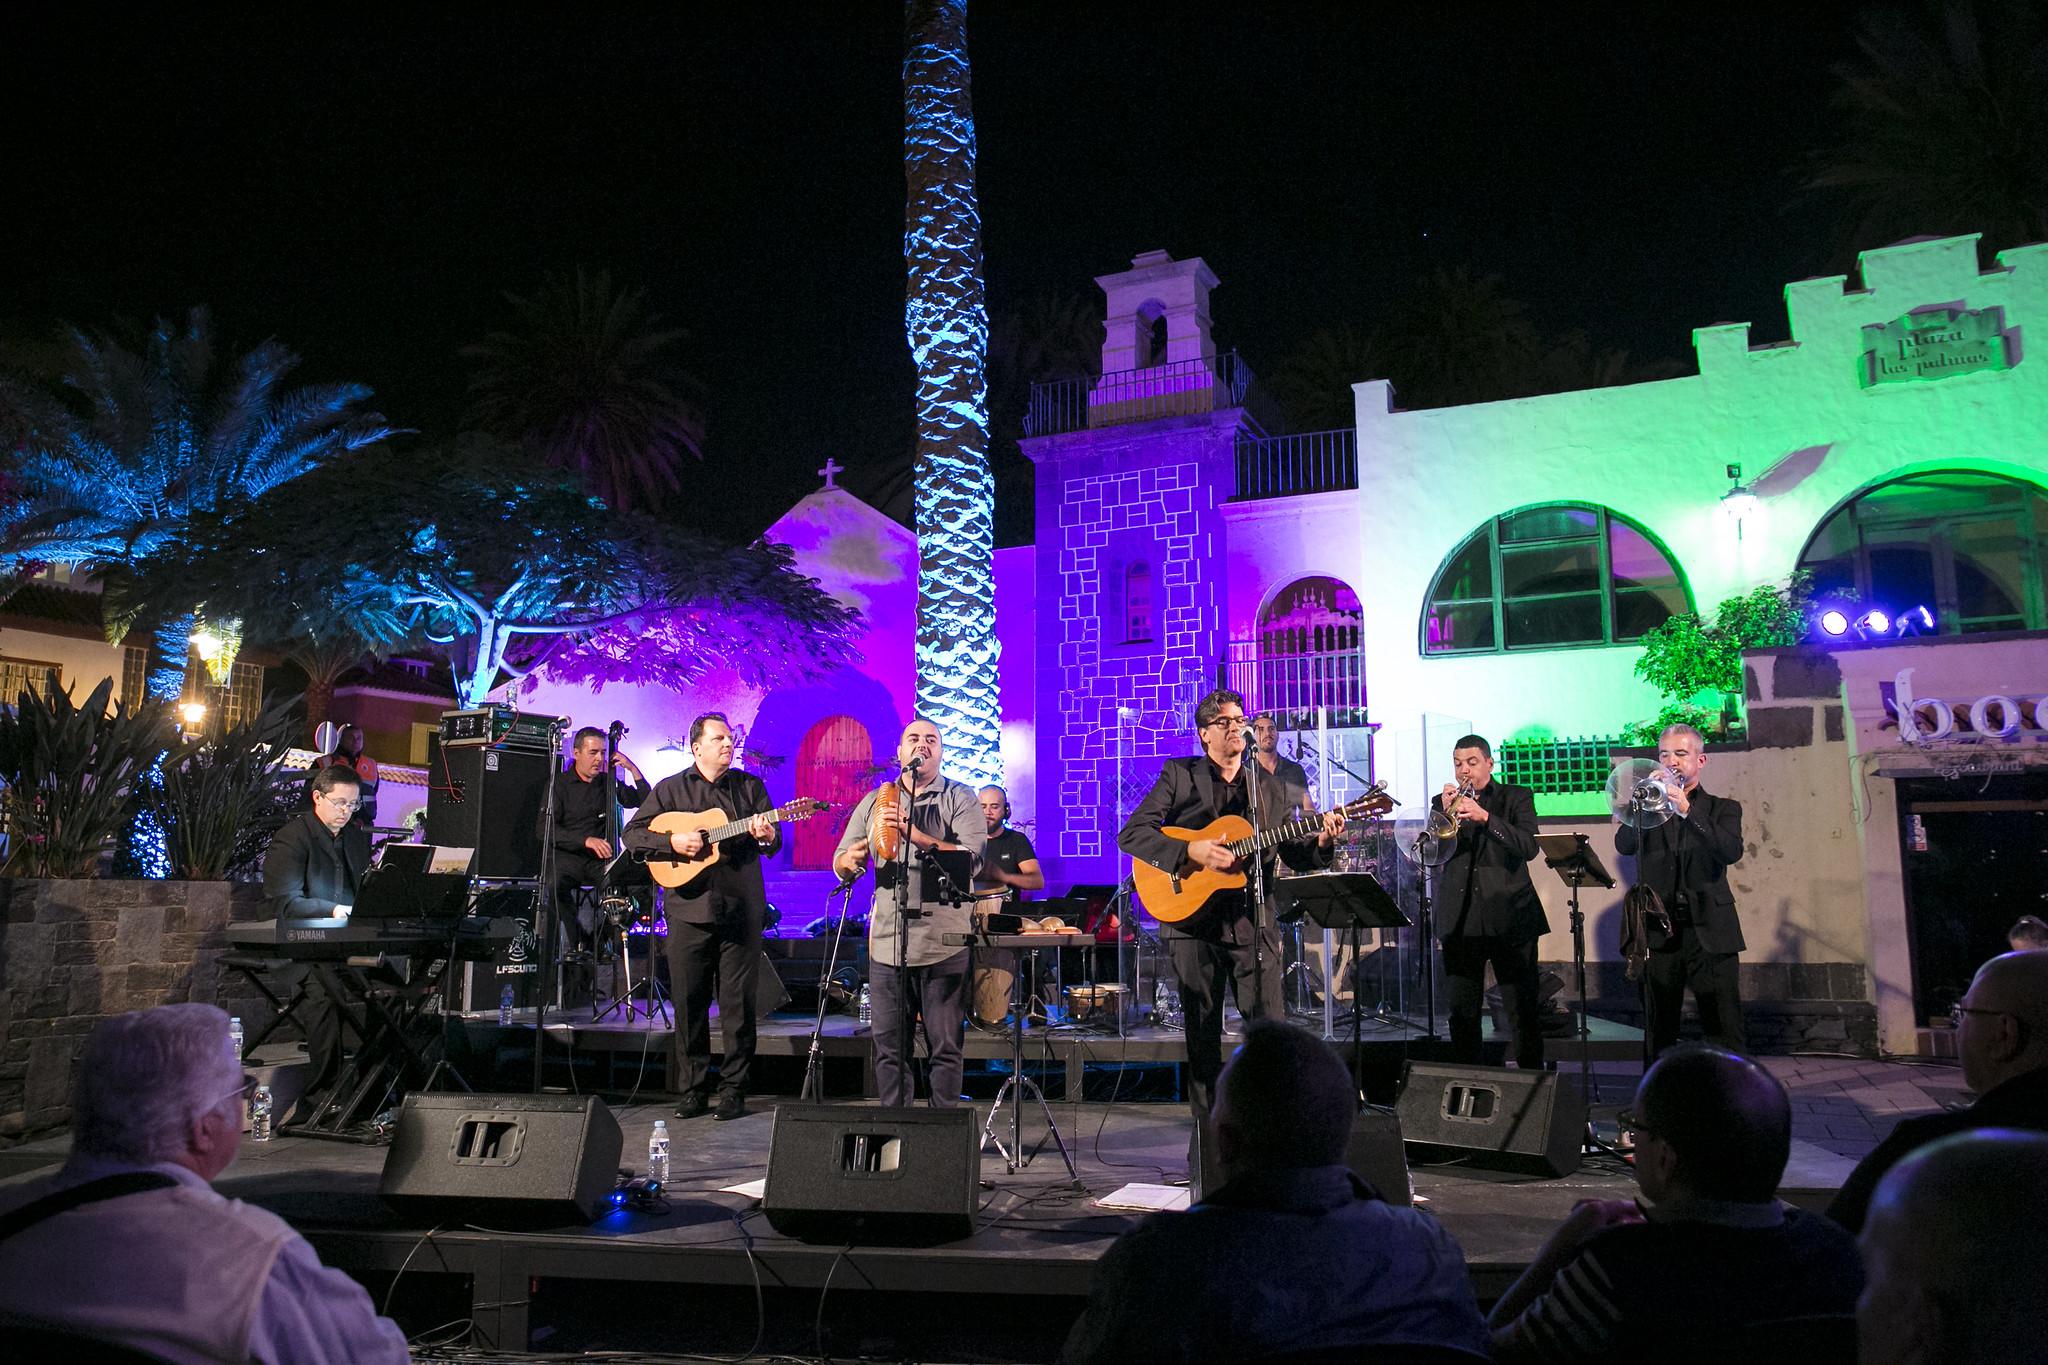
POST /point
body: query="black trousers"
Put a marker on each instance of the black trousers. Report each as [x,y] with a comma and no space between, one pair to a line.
[938,994]
[1715,984]
[1203,967]
[725,952]
[1466,958]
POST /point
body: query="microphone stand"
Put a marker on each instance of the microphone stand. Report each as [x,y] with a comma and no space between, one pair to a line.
[814,1061]
[905,852]
[546,914]
[1258,882]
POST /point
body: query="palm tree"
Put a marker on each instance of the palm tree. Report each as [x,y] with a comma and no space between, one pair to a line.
[1313,382]
[1944,126]
[110,465]
[589,381]
[946,318]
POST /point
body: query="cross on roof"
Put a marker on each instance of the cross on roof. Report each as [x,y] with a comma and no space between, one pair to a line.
[832,468]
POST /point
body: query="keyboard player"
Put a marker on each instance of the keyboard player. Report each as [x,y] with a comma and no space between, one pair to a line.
[311,871]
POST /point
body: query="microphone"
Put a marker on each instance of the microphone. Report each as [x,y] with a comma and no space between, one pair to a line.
[915,762]
[1251,736]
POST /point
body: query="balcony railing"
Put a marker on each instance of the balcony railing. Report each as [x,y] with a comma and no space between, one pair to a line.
[1284,466]
[1177,389]
[1294,687]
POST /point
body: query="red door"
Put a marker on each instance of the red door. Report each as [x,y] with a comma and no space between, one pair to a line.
[835,763]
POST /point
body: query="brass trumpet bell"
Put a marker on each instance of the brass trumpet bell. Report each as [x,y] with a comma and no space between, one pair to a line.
[1639,792]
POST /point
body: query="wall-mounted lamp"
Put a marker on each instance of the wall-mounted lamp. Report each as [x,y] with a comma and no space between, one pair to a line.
[1738,504]
[192,714]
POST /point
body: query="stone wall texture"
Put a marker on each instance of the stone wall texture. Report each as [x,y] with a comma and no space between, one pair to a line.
[74,952]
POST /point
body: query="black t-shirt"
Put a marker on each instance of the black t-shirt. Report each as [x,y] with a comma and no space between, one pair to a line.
[1005,851]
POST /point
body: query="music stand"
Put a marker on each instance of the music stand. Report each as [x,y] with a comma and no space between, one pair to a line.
[414,881]
[1573,859]
[1342,900]
[945,876]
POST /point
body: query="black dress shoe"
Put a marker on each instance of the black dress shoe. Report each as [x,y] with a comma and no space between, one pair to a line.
[692,1105]
[731,1105]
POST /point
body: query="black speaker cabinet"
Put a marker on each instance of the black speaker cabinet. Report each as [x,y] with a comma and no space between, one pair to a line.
[858,1175]
[1374,1154]
[538,1160]
[488,799]
[1528,1121]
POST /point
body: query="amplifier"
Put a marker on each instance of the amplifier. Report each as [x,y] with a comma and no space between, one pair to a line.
[498,724]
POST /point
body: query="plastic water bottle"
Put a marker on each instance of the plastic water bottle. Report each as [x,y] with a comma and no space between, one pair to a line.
[235,1035]
[865,1010]
[259,1115]
[505,1006]
[657,1153]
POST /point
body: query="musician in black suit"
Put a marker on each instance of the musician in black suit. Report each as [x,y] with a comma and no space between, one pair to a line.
[715,922]
[1224,941]
[312,870]
[1685,861]
[1487,910]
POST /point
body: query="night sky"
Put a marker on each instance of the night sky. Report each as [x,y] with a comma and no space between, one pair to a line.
[365,189]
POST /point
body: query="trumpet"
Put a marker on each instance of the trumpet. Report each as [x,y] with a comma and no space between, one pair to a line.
[1654,790]
[1443,824]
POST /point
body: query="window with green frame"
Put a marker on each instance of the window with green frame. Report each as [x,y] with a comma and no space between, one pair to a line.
[1551,577]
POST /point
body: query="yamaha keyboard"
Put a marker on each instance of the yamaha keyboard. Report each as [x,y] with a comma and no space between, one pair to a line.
[312,940]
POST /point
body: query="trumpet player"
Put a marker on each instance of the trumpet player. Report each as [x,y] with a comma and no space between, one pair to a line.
[1487,908]
[912,970]
[1685,861]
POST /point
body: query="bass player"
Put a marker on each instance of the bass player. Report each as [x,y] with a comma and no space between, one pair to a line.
[715,921]
[1227,940]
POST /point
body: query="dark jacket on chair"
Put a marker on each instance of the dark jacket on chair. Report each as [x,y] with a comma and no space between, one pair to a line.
[1494,858]
[1692,855]
[307,871]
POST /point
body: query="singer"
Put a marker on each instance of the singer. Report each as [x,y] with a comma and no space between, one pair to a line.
[928,977]
[715,922]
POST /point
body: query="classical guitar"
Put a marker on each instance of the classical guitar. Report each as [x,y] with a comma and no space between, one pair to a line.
[672,869]
[1174,896]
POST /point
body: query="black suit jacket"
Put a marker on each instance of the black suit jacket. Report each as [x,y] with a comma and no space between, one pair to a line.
[1493,859]
[307,871]
[1693,854]
[1185,796]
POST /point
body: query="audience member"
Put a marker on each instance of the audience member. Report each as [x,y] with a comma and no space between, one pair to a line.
[2002,1038]
[1707,1252]
[2027,932]
[129,1244]
[1954,1251]
[1293,1254]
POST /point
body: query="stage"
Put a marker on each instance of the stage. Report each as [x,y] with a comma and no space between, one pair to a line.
[710,1275]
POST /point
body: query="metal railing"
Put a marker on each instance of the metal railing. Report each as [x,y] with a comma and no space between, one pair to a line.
[1294,687]
[1561,767]
[1285,466]
[1176,389]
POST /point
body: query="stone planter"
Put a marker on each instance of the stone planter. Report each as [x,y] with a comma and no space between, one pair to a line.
[73,952]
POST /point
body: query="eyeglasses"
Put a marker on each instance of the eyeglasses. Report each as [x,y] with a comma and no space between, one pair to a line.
[350,806]
[1224,722]
[1958,1010]
[243,1092]
[1631,1126]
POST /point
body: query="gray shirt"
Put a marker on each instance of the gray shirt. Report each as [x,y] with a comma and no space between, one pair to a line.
[950,812]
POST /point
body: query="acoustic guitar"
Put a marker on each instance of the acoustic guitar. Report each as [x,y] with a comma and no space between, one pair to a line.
[1177,895]
[672,869]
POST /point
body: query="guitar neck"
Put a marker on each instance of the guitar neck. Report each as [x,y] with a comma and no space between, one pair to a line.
[1301,826]
[728,830]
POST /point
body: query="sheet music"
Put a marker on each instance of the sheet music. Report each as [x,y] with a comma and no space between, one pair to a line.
[1143,1198]
[449,860]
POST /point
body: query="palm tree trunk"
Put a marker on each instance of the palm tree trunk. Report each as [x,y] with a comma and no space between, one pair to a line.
[946,318]
[170,651]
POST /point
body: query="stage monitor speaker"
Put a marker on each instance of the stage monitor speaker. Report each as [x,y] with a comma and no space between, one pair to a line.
[1528,1121]
[1374,1154]
[537,1160]
[489,800]
[857,1175]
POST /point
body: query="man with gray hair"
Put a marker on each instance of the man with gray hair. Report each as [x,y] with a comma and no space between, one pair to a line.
[129,1244]
[1954,1253]
[1685,861]
[1294,1255]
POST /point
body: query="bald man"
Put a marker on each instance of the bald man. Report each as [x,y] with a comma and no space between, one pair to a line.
[1954,1250]
[2002,1037]
[1294,1255]
[1705,1250]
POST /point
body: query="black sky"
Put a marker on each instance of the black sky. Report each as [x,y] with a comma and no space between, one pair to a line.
[365,186]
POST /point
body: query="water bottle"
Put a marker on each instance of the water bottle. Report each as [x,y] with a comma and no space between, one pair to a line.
[235,1036]
[259,1115]
[1162,1005]
[657,1153]
[505,1005]
[865,1011]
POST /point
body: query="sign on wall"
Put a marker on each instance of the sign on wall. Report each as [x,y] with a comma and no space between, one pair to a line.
[1936,343]
[1932,720]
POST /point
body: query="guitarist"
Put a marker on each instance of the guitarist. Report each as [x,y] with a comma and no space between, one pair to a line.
[1227,940]
[715,921]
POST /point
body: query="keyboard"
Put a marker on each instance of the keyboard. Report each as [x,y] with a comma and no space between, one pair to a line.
[310,940]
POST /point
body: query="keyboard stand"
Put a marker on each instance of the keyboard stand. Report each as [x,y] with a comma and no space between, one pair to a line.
[1013,1093]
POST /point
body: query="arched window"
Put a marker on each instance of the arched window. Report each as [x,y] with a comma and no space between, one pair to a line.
[1548,577]
[1138,603]
[1310,654]
[835,763]
[1966,546]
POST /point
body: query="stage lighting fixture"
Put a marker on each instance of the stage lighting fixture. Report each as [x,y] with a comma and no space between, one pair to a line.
[1834,622]
[1876,621]
[1915,622]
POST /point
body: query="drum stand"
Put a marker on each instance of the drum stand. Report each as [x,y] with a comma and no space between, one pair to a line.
[1012,1094]
[612,918]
